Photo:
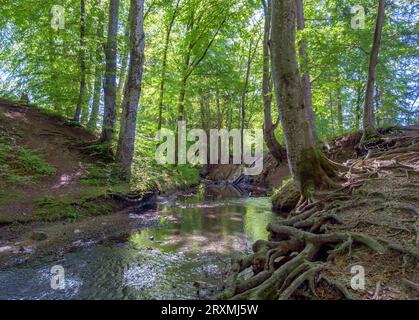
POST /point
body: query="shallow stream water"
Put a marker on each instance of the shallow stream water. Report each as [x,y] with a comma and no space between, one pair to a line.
[185,257]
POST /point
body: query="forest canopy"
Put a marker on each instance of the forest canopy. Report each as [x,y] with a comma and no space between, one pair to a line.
[211,43]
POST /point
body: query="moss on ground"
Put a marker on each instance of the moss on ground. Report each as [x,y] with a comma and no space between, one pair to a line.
[100,174]
[19,165]
[33,164]
[285,198]
[66,208]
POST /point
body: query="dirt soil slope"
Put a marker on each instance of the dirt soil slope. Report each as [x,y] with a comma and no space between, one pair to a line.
[59,144]
[56,142]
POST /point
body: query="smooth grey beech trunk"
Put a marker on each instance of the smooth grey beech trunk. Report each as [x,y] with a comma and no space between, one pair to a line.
[369,119]
[93,119]
[269,128]
[92,124]
[109,112]
[309,167]
[308,100]
[244,95]
[253,46]
[82,53]
[126,142]
[122,71]
[339,108]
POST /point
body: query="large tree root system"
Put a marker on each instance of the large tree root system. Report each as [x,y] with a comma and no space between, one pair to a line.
[298,260]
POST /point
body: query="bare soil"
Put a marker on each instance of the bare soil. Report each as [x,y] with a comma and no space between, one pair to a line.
[56,142]
[59,143]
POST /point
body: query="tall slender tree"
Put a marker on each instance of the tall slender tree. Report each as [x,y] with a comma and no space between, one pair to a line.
[82,57]
[253,45]
[164,62]
[310,169]
[108,127]
[339,106]
[97,86]
[268,127]
[369,118]
[123,70]
[308,98]
[191,60]
[126,142]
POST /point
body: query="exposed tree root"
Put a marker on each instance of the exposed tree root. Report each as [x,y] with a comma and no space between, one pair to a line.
[293,263]
[357,223]
[338,286]
[411,285]
[306,276]
[414,252]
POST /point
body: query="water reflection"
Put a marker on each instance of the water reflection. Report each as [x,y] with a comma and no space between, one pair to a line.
[185,257]
[197,225]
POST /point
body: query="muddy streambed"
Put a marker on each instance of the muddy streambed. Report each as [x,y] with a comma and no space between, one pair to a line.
[185,257]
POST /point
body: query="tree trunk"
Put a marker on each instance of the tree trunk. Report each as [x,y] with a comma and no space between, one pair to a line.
[94,114]
[304,69]
[339,109]
[122,72]
[379,110]
[360,89]
[252,51]
[126,142]
[269,129]
[219,120]
[181,99]
[310,169]
[243,99]
[80,101]
[369,121]
[110,75]
[164,64]
[332,118]
[206,121]
[92,124]
[189,66]
[229,116]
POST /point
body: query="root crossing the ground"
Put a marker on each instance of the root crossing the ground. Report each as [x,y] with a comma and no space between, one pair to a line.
[373,218]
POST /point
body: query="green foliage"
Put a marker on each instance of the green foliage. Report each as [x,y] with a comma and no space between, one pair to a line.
[148,175]
[209,42]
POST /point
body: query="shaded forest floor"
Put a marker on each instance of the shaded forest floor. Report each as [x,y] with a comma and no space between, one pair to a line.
[371,221]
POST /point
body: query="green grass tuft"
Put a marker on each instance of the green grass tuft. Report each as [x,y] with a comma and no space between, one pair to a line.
[32,164]
[19,165]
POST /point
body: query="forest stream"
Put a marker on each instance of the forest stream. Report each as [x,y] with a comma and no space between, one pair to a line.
[223,150]
[185,257]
